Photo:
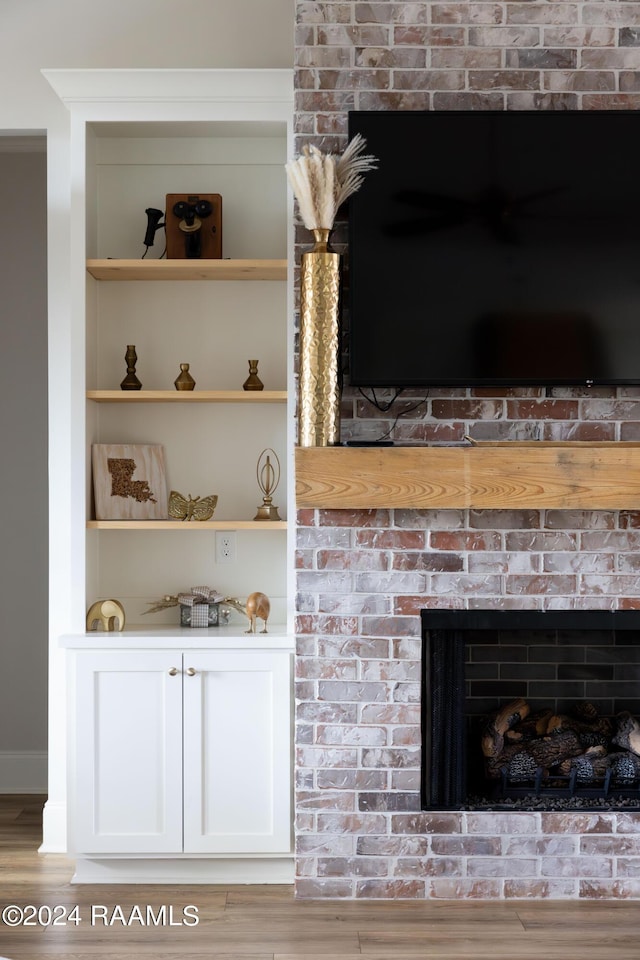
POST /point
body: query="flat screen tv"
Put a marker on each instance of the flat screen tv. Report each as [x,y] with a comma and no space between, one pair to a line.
[496,248]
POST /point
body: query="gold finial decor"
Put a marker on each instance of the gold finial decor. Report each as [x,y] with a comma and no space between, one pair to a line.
[321,183]
[268,476]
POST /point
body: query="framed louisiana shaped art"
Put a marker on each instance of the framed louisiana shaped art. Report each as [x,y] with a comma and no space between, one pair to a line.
[129,481]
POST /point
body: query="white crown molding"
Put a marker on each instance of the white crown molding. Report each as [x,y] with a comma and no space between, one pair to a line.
[234,85]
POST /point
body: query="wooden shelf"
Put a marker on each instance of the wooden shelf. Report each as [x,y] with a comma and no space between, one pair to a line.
[187,396]
[187,269]
[262,526]
[584,476]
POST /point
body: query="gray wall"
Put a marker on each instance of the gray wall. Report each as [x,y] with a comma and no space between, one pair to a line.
[23,470]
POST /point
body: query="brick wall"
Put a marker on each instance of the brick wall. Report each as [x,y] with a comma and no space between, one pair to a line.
[417,56]
[363,576]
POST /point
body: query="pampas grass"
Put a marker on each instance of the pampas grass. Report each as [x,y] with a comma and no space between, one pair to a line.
[321,182]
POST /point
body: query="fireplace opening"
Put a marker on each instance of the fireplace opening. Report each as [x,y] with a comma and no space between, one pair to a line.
[530,710]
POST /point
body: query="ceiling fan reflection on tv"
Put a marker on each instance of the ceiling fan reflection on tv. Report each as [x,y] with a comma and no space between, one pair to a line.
[493,208]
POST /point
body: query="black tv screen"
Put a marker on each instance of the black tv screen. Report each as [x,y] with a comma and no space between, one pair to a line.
[496,248]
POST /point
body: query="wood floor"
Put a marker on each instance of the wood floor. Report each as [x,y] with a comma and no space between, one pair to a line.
[266,923]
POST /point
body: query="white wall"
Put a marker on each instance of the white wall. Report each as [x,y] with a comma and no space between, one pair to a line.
[120,33]
[37,34]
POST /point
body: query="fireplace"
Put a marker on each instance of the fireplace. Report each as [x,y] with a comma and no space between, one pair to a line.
[530,710]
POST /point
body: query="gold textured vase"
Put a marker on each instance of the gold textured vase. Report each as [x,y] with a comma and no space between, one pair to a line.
[319,406]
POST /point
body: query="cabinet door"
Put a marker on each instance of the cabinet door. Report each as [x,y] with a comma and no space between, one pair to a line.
[128,753]
[237,753]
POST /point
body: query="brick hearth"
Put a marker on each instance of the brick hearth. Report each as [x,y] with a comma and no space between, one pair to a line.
[363,576]
[362,579]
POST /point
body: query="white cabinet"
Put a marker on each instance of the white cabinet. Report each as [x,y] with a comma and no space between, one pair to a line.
[127,719]
[237,709]
[181,751]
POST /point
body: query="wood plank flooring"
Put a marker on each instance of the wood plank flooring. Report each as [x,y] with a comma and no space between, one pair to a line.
[267,923]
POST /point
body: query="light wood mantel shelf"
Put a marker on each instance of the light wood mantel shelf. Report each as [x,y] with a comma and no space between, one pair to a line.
[536,475]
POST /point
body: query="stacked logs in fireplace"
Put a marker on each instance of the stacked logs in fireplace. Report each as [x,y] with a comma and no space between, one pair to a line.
[545,753]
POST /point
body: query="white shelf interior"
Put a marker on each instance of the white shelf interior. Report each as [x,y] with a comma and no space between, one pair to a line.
[215,327]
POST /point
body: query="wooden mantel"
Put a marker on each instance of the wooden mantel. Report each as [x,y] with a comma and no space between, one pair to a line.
[535,475]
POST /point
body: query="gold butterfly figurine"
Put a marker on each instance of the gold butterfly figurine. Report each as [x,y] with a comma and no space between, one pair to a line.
[198,508]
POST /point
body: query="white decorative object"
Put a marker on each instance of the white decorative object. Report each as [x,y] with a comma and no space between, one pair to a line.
[321,182]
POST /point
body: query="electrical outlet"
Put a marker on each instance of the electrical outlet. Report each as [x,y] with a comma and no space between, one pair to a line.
[225,546]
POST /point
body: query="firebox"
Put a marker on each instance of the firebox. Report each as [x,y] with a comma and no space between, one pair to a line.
[530,709]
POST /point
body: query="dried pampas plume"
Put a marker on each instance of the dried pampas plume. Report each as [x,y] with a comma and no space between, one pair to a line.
[321,182]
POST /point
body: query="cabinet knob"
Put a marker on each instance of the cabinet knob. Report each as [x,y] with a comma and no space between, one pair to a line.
[173,671]
[191,672]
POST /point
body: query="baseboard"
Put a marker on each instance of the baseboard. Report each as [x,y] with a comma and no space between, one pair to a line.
[54,828]
[23,771]
[178,870]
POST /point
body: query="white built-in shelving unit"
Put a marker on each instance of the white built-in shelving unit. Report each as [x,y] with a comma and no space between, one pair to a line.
[137,136]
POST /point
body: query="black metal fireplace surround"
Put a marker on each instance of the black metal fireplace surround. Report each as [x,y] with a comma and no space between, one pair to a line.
[577,670]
